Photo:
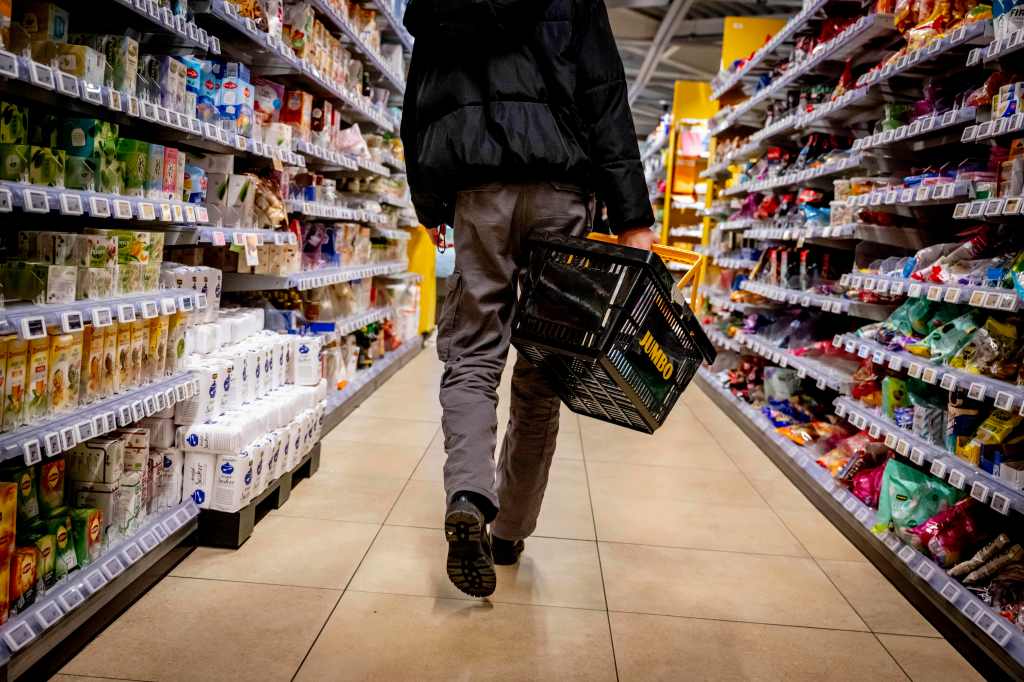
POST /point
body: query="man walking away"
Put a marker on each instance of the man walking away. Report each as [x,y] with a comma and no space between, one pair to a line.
[515,114]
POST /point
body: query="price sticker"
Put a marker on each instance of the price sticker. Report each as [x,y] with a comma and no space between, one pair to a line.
[980,491]
[1008,302]
[934,293]
[147,211]
[957,479]
[914,370]
[122,209]
[31,452]
[906,196]
[1001,503]
[111,421]
[948,382]
[992,300]
[922,193]
[35,201]
[907,554]
[930,375]
[976,391]
[84,431]
[190,214]
[6,200]
[71,204]
[32,328]
[952,295]
[124,415]
[114,100]
[916,455]
[875,430]
[201,302]
[99,425]
[993,207]
[863,351]
[126,312]
[938,469]
[862,515]
[67,84]
[71,321]
[185,302]
[969,133]
[878,357]
[149,405]
[977,209]
[165,213]
[160,400]
[99,207]
[42,76]
[1004,401]
[961,211]
[1012,206]
[217,238]
[914,290]
[896,289]
[8,64]
[138,411]
[67,437]
[101,317]
[150,309]
[133,106]
[149,111]
[202,214]
[977,298]
[890,441]
[51,444]
[167,306]
[179,214]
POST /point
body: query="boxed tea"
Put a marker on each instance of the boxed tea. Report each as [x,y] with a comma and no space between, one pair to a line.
[95,283]
[172,159]
[134,157]
[8,519]
[15,384]
[82,61]
[88,137]
[108,367]
[28,501]
[155,172]
[131,502]
[23,578]
[46,565]
[92,365]
[87,532]
[51,485]
[130,278]
[80,173]
[123,376]
[46,166]
[13,123]
[109,177]
[38,380]
[14,160]
[61,358]
[99,460]
[59,526]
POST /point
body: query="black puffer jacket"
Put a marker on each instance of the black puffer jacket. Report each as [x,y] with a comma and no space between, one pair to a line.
[518,90]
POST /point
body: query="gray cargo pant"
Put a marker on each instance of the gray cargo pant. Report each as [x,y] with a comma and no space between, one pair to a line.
[492,225]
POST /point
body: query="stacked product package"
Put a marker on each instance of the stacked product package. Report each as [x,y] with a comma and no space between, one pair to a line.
[258,412]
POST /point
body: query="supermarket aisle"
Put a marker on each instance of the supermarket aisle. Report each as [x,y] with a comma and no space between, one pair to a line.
[682,556]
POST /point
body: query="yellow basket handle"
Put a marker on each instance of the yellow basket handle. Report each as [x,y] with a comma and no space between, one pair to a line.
[693,277]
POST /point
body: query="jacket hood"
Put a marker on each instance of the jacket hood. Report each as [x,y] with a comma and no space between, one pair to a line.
[468,18]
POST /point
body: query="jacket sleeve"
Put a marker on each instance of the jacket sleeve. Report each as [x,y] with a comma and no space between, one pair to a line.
[430,209]
[603,106]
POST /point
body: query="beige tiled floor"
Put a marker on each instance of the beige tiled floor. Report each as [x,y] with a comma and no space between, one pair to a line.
[686,555]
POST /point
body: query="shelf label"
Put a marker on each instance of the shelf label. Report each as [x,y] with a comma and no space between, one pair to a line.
[916,455]
[8,64]
[1004,401]
[957,479]
[948,382]
[167,306]
[1001,503]
[126,312]
[67,84]
[67,437]
[35,201]
[41,75]
[147,211]
[71,321]
[138,411]
[914,370]
[190,214]
[976,391]
[32,328]
[6,200]
[179,214]
[124,415]
[71,204]
[84,431]
[133,106]
[149,309]
[149,406]
[101,317]
[930,375]
[99,207]
[980,491]
[92,93]
[938,468]
[122,209]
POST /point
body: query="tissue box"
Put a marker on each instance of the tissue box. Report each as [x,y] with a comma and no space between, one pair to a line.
[46,166]
[14,160]
[82,61]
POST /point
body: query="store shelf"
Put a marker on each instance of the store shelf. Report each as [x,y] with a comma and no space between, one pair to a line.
[352,323]
[371,57]
[312,279]
[1005,395]
[31,321]
[994,645]
[796,178]
[990,130]
[983,487]
[923,127]
[59,433]
[742,224]
[317,209]
[917,197]
[29,198]
[829,304]
[716,171]
[721,300]
[820,371]
[735,263]
[904,237]
[271,56]
[992,298]
[221,236]
[31,635]
[179,26]
[321,155]
[187,131]
[392,22]
[996,209]
[721,340]
[1007,46]
[393,162]
[725,82]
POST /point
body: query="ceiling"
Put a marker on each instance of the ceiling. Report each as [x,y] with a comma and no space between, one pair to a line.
[662,41]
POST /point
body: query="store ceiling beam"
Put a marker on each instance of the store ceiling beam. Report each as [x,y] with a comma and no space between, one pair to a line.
[675,15]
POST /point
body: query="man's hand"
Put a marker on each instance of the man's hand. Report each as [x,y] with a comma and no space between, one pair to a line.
[638,238]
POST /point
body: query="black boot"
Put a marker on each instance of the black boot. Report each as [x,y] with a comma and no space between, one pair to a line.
[506,552]
[470,564]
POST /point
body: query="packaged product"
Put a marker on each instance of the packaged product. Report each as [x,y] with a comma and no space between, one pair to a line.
[298,112]
[929,417]
[59,526]
[996,428]
[981,557]
[106,498]
[895,401]
[15,384]
[5,587]
[87,533]
[908,498]
[172,160]
[131,502]
[175,343]
[169,482]
[199,478]
[46,564]
[134,157]
[51,485]
[99,460]
[64,368]
[867,485]
[82,61]
[109,364]
[13,124]
[962,419]
[38,380]
[40,283]
[946,341]
[23,578]
[949,535]
[79,173]
[780,384]
[44,21]
[89,138]
[8,516]
[139,352]
[92,364]
[993,566]
[14,162]
[994,350]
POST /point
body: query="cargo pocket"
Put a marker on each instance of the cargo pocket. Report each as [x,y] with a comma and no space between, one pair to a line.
[449,316]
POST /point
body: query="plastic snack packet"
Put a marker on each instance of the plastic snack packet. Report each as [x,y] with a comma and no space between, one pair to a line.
[908,498]
[982,556]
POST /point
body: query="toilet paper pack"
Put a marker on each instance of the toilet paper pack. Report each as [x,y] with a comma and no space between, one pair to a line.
[233,481]
[170,477]
[199,478]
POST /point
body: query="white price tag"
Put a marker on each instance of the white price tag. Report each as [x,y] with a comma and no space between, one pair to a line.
[980,491]
[71,204]
[1001,503]
[179,214]
[35,201]
[916,456]
[915,370]
[150,309]
[71,321]
[217,238]
[1004,401]
[122,209]
[934,293]
[930,375]
[147,211]
[99,207]
[957,479]
[976,391]
[101,317]
[952,295]
[126,312]
[948,382]
[166,215]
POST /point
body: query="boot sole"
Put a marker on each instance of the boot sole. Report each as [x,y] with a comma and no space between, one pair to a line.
[470,568]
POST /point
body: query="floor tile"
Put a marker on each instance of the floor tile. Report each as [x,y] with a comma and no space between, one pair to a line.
[186,630]
[323,554]
[875,600]
[664,453]
[388,431]
[550,573]
[391,637]
[367,459]
[89,678]
[723,586]
[929,660]
[660,648]
[343,498]
[699,525]
[696,485]
[819,536]
[399,402]
[780,493]
[565,512]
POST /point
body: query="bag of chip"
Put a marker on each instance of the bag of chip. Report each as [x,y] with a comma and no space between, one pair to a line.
[909,498]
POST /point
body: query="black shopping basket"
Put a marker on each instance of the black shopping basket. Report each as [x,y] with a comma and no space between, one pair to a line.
[600,321]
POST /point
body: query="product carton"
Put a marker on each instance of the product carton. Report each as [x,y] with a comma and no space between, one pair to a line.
[298,112]
[38,380]
[109,176]
[235,102]
[46,166]
[46,565]
[230,199]
[172,77]
[44,21]
[83,62]
[155,172]
[134,157]
[80,173]
[172,159]
[15,384]
[139,348]
[8,516]
[125,369]
[51,485]
[86,137]
[92,365]
[99,460]
[87,532]
[59,526]
[23,578]
[65,371]
[14,162]
[44,130]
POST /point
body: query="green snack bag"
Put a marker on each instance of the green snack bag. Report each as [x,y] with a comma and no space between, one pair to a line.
[46,564]
[13,124]
[909,498]
[14,162]
[894,397]
[133,156]
[59,526]
[80,173]
[87,531]
[46,166]
[945,341]
[28,502]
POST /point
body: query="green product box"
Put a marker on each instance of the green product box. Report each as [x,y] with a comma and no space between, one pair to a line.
[87,137]
[46,166]
[87,531]
[130,277]
[44,130]
[155,172]
[80,173]
[40,283]
[14,162]
[108,174]
[13,124]
[134,157]
[59,526]
[28,502]
[122,56]
[46,565]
